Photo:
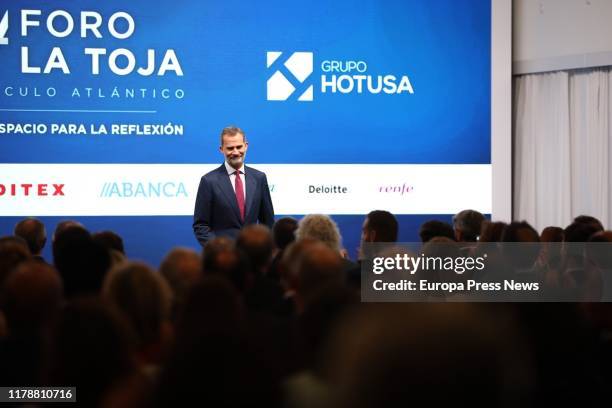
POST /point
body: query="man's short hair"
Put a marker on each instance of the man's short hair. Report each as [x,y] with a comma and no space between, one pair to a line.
[34,233]
[255,241]
[181,267]
[64,225]
[435,228]
[81,262]
[491,231]
[520,232]
[468,222]
[385,225]
[522,257]
[212,249]
[284,232]
[579,232]
[232,131]
[109,240]
[552,234]
[589,220]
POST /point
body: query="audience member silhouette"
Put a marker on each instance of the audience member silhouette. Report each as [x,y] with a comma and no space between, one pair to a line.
[81,262]
[145,300]
[435,228]
[237,333]
[182,268]
[91,348]
[213,362]
[429,355]
[34,233]
[262,294]
[283,233]
[467,225]
[379,226]
[31,299]
[109,240]
[491,231]
[13,251]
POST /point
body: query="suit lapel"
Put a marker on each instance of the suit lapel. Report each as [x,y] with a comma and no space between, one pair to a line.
[228,191]
[251,186]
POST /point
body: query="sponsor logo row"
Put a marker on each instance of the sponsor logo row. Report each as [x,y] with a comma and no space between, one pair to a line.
[168,189]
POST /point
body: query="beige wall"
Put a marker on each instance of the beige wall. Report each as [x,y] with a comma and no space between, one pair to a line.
[561,34]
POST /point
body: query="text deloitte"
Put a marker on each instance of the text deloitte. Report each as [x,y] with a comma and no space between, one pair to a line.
[327,189]
[352,77]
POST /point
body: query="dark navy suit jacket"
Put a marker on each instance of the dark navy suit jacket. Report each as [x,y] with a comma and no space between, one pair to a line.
[216,209]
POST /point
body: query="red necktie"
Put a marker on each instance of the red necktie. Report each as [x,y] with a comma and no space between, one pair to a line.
[239,194]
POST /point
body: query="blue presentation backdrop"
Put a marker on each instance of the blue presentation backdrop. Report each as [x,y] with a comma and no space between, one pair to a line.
[221,57]
[442,46]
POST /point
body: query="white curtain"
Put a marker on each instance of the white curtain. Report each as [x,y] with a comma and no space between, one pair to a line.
[562,148]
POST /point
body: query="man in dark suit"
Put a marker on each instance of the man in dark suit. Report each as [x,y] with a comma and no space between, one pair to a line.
[232,195]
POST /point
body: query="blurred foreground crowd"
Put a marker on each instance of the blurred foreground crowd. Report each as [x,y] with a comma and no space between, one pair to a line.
[274,319]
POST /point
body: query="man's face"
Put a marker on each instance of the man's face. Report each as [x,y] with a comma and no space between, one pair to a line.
[234,149]
[367,235]
[365,230]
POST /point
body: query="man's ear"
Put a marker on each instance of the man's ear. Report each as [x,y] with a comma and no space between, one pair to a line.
[373,236]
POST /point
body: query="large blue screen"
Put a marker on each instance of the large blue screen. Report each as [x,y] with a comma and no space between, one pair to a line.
[92,86]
